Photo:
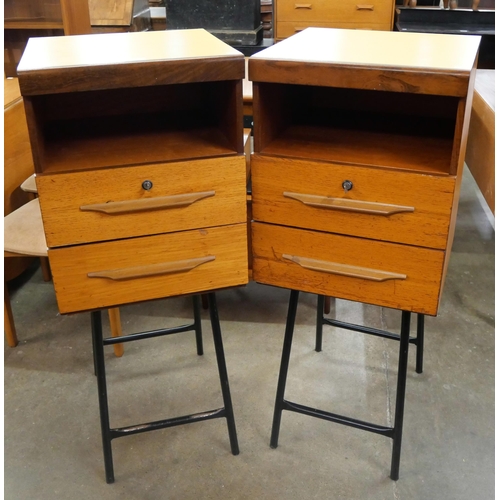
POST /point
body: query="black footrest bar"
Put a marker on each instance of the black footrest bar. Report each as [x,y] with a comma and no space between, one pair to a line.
[365,329]
[148,335]
[396,432]
[340,419]
[170,422]
[226,412]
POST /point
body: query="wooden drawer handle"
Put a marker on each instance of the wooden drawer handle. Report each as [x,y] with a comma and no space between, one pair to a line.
[324,266]
[365,7]
[130,273]
[363,207]
[122,207]
[303,6]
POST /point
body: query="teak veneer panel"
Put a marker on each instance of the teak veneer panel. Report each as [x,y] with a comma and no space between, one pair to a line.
[430,197]
[111,12]
[76,291]
[333,58]
[417,292]
[63,195]
[109,61]
[77,152]
[369,148]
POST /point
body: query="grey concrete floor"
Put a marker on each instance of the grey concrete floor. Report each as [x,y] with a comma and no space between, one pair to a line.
[52,442]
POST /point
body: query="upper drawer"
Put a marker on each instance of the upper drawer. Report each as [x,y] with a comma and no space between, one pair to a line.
[108,204]
[382,204]
[113,273]
[284,29]
[348,11]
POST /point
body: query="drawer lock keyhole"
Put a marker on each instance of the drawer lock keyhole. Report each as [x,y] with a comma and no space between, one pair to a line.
[147,185]
[347,186]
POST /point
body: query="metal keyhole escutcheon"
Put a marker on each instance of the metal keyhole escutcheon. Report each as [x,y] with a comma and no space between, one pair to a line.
[147,185]
[347,186]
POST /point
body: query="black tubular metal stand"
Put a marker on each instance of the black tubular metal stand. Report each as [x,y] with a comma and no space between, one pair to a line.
[395,432]
[418,340]
[226,411]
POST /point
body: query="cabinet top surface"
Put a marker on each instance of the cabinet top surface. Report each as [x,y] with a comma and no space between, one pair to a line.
[376,49]
[108,49]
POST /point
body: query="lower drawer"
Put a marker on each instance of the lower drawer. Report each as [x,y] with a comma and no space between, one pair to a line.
[284,29]
[102,275]
[385,274]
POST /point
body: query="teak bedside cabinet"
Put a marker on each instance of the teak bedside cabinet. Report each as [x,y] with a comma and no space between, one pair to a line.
[137,141]
[359,143]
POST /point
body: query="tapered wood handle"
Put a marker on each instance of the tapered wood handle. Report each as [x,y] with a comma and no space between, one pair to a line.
[365,207]
[324,266]
[129,273]
[365,7]
[303,6]
[130,206]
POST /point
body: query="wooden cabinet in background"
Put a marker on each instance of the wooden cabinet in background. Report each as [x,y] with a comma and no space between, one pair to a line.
[35,18]
[292,16]
[358,162]
[138,148]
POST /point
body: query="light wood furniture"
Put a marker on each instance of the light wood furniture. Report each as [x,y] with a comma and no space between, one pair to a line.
[137,142]
[452,4]
[31,18]
[292,16]
[118,16]
[480,154]
[359,143]
[18,164]
[24,235]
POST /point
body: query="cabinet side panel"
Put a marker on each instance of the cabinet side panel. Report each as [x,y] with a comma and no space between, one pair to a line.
[272,111]
[34,120]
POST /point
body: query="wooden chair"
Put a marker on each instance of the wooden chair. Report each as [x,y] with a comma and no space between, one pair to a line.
[24,235]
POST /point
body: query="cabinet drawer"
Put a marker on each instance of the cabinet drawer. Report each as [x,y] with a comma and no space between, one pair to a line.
[108,274]
[348,11]
[382,204]
[374,272]
[285,29]
[108,204]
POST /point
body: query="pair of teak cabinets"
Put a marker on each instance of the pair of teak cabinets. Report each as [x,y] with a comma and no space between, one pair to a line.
[359,143]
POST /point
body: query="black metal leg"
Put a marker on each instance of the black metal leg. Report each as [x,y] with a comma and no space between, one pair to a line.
[93,346]
[197,324]
[400,394]
[103,396]
[224,381]
[285,360]
[319,323]
[420,343]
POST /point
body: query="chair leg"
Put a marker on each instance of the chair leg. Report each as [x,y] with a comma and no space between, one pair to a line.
[8,320]
[328,302]
[204,301]
[116,329]
[46,272]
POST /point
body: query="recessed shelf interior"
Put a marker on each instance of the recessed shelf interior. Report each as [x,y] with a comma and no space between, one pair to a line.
[95,129]
[378,128]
